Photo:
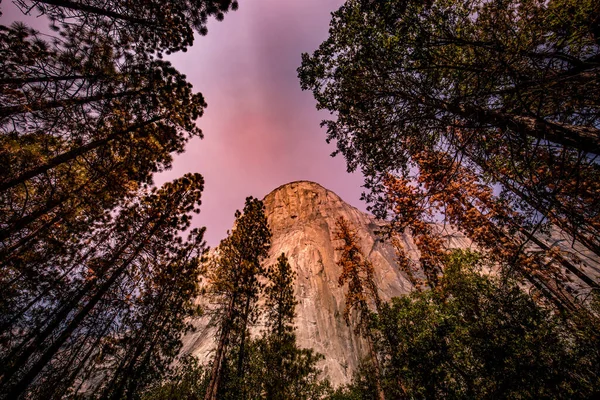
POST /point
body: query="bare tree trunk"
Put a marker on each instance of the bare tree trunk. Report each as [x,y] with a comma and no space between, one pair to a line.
[215,375]
[375,361]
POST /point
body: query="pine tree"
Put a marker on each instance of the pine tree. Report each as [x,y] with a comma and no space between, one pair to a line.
[277,367]
[151,339]
[280,302]
[473,112]
[137,280]
[96,282]
[358,273]
[234,284]
[69,159]
[279,343]
[148,26]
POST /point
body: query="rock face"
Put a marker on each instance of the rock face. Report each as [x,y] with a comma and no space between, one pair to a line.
[302,217]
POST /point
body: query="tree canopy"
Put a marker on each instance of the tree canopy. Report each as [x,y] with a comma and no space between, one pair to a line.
[146,26]
[479,113]
[235,288]
[478,336]
[96,277]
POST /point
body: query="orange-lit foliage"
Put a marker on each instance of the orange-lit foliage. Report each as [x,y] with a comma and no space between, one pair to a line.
[480,112]
[411,211]
[557,182]
[445,186]
[358,273]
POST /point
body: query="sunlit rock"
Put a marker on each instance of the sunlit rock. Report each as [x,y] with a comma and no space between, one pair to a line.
[302,218]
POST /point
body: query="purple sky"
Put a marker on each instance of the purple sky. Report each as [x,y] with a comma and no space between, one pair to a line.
[260,129]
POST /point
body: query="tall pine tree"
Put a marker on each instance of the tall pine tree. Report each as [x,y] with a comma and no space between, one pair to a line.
[70,159]
[132,286]
[235,286]
[283,370]
[358,274]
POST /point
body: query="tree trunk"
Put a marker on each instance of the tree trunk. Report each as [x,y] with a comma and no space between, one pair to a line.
[215,376]
[83,361]
[21,386]
[583,138]
[74,264]
[241,354]
[563,261]
[44,79]
[124,374]
[40,106]
[50,205]
[100,11]
[375,361]
[7,253]
[26,380]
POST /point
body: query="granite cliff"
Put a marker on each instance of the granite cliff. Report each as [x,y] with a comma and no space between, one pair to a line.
[302,218]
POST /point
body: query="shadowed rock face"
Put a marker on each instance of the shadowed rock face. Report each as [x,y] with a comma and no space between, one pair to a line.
[302,218]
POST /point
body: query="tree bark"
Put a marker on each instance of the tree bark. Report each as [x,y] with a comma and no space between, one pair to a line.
[215,376]
[26,380]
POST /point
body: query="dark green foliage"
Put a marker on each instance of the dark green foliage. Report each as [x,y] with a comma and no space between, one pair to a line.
[284,371]
[235,288]
[480,336]
[275,368]
[280,302]
[287,371]
[433,64]
[505,88]
[187,381]
[363,386]
[147,26]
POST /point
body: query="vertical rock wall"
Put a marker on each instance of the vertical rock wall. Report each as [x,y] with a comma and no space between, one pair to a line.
[302,218]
